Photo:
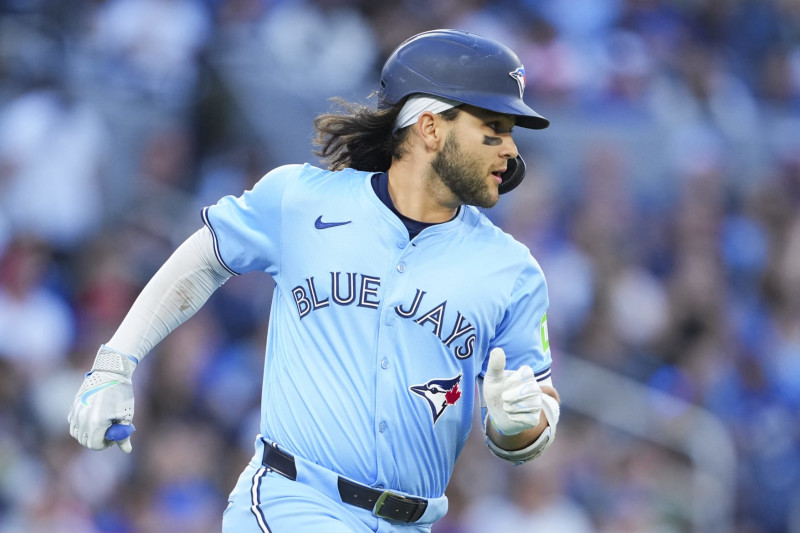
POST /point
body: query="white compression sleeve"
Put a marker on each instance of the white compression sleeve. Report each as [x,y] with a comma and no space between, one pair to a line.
[176,292]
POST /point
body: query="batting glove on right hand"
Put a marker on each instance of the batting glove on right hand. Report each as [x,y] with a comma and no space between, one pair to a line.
[513,398]
[105,398]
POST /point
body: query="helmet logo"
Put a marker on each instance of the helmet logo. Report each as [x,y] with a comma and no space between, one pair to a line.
[519,76]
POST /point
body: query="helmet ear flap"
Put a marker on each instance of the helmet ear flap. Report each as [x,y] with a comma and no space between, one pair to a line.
[513,175]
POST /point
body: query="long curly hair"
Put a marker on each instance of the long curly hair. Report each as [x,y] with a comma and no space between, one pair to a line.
[359,137]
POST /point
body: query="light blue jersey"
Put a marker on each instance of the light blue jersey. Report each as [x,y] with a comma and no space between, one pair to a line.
[375,342]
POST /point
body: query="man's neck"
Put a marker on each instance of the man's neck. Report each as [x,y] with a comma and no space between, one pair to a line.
[416,195]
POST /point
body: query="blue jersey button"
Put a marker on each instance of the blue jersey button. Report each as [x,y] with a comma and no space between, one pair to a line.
[382,427]
[385,363]
[401,244]
[401,267]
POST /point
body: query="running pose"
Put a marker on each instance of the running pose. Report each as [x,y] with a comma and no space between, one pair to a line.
[394,296]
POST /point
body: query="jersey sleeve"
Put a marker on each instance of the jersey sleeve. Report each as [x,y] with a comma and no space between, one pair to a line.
[523,331]
[247,229]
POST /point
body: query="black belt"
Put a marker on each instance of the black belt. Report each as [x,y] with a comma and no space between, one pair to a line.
[382,503]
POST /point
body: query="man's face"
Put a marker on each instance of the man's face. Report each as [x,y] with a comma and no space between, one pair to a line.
[474,155]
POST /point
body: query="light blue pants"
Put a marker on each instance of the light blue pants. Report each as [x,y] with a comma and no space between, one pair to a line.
[266,502]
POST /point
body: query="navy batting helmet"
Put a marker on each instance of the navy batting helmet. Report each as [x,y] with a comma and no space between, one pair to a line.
[461,66]
[467,68]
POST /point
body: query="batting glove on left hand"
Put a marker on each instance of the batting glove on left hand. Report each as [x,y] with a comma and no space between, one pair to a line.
[105,398]
[513,398]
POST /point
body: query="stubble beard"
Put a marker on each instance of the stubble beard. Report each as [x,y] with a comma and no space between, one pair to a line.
[461,175]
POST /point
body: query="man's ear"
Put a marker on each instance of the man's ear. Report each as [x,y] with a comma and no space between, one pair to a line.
[429,128]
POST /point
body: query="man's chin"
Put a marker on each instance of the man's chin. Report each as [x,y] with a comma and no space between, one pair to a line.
[486,201]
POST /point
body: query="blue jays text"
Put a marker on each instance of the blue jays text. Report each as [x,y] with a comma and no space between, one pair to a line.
[308,299]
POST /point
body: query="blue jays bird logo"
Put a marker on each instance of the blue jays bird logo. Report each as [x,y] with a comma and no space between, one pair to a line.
[439,393]
[519,76]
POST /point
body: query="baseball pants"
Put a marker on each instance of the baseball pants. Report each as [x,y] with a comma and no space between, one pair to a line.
[265,501]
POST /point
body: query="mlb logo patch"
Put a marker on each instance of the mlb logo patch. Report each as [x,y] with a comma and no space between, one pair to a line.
[439,394]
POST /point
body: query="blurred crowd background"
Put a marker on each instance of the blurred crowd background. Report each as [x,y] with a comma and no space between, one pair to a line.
[663,204]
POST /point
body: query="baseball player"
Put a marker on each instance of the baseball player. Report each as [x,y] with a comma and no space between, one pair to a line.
[397,304]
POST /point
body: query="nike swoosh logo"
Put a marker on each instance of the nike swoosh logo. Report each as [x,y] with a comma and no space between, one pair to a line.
[95,390]
[319,224]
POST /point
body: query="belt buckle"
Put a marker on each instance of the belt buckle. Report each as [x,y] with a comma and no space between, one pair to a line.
[382,500]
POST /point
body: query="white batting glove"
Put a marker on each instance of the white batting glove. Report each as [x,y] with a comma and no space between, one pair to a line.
[105,398]
[513,398]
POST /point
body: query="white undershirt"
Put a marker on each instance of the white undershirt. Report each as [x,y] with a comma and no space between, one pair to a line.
[174,294]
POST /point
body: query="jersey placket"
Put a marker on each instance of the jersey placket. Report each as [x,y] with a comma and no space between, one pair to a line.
[387,380]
